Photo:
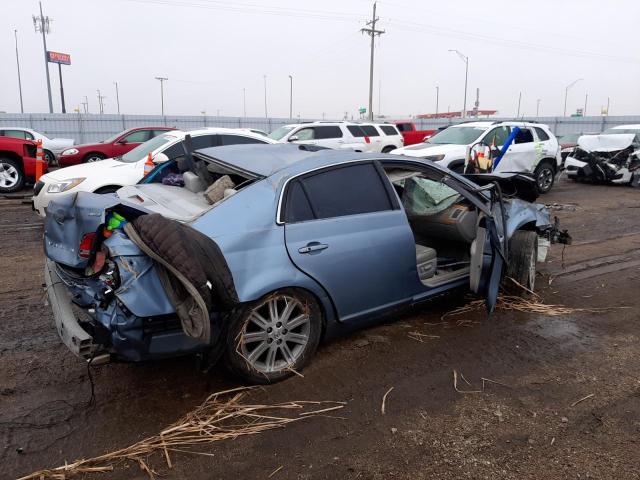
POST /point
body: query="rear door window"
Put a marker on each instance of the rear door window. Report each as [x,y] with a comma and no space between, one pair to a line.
[370,130]
[389,130]
[237,140]
[327,131]
[342,191]
[356,131]
[542,135]
[524,136]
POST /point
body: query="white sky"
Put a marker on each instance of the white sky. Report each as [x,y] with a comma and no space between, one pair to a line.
[211,49]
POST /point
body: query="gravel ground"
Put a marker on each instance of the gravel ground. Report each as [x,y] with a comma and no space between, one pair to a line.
[527,426]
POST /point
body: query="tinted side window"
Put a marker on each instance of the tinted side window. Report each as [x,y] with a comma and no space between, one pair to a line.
[203,141]
[174,151]
[389,130]
[327,131]
[138,137]
[346,191]
[298,208]
[16,134]
[355,130]
[404,127]
[542,135]
[370,130]
[524,136]
[237,140]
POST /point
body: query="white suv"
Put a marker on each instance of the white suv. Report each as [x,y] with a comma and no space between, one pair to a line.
[336,135]
[107,176]
[383,137]
[533,149]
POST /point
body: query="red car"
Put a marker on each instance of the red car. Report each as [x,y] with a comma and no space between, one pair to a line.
[17,163]
[111,147]
[410,134]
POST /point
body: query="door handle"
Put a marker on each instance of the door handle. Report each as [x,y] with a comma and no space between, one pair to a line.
[313,247]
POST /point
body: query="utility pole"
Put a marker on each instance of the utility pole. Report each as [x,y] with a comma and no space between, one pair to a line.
[537,107]
[244,101]
[290,96]
[41,24]
[117,97]
[519,100]
[64,108]
[85,104]
[437,99]
[607,106]
[100,102]
[566,93]
[465,59]
[162,80]
[372,32]
[584,111]
[15,32]
[264,77]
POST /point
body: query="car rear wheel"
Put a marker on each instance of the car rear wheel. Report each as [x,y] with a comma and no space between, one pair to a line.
[11,175]
[388,149]
[94,157]
[49,157]
[520,277]
[274,337]
[545,176]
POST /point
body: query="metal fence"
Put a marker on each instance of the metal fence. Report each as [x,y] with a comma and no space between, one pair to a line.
[93,127]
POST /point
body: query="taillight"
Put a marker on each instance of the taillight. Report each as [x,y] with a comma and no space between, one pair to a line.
[367,140]
[86,245]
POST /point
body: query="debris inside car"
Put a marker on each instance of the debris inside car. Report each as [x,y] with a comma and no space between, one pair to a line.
[610,158]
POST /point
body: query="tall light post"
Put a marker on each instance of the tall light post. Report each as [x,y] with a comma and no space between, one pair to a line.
[566,93]
[290,96]
[437,99]
[519,101]
[15,33]
[117,97]
[244,102]
[465,59]
[41,24]
[162,80]
[537,107]
[584,111]
[264,77]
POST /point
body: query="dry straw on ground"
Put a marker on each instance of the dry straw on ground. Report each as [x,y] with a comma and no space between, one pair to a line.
[221,416]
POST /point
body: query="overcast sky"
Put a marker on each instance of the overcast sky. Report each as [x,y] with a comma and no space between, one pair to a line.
[210,50]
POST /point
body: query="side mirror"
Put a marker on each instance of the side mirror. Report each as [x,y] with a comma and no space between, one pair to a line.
[293,138]
[160,158]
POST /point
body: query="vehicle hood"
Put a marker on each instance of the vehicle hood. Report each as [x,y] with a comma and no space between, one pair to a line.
[606,143]
[428,149]
[87,169]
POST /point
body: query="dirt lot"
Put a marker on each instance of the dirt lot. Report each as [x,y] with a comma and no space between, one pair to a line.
[525,427]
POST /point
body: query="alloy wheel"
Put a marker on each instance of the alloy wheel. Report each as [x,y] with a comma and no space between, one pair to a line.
[545,179]
[9,175]
[276,333]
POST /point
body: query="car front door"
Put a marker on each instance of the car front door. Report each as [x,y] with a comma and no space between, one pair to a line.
[521,155]
[344,229]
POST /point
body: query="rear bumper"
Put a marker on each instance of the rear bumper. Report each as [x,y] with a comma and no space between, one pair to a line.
[71,332]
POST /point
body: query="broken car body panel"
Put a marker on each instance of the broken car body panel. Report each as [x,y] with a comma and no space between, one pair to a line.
[129,315]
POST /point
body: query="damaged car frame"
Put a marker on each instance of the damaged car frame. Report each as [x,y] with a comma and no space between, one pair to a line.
[266,249]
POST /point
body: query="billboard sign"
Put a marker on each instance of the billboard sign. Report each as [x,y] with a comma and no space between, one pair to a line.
[57,57]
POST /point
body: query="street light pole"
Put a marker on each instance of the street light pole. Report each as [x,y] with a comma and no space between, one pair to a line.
[162,80]
[290,96]
[465,59]
[41,24]
[264,77]
[244,101]
[566,93]
[537,107]
[15,32]
[519,100]
[117,97]
[437,99]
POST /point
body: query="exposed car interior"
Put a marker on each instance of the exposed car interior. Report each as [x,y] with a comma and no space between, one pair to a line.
[443,222]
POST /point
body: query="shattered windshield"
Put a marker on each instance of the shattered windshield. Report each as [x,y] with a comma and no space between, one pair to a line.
[280,132]
[142,150]
[457,135]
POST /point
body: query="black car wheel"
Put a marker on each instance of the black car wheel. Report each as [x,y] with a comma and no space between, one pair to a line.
[520,277]
[50,158]
[272,338]
[545,176]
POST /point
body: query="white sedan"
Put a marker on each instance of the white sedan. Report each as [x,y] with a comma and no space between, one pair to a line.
[109,175]
[52,147]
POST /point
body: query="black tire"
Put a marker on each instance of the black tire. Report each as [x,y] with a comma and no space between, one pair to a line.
[93,157]
[388,148]
[545,175]
[50,158]
[523,255]
[11,175]
[108,189]
[250,361]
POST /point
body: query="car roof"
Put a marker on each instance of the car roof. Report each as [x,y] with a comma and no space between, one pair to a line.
[203,131]
[267,159]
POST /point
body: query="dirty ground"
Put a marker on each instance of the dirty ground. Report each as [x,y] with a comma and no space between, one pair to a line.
[530,425]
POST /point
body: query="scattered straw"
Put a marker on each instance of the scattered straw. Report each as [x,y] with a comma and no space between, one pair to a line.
[276,471]
[583,399]
[221,416]
[484,381]
[384,400]
[421,336]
